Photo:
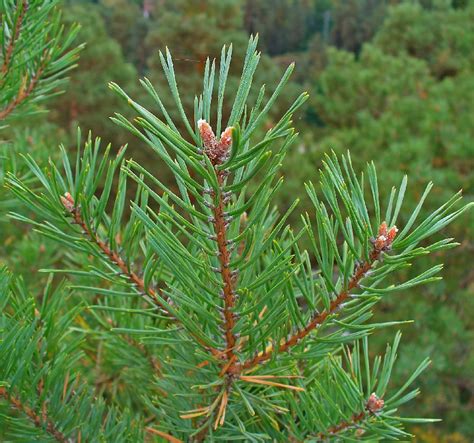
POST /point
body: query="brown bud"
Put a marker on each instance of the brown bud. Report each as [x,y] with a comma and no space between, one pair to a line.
[392,234]
[216,150]
[68,202]
[380,242]
[207,134]
[385,237]
[374,404]
[383,229]
[226,138]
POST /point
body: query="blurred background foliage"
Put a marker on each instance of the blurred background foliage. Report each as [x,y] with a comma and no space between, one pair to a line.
[393,81]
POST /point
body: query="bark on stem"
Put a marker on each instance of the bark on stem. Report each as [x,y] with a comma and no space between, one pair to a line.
[14,38]
[356,418]
[150,294]
[224,259]
[40,421]
[373,406]
[320,317]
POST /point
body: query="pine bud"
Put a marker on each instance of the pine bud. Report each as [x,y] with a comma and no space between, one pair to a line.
[216,150]
[391,234]
[207,134]
[226,138]
[380,242]
[385,237]
[68,202]
[374,404]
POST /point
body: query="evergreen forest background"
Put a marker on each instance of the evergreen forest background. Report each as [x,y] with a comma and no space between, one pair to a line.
[393,81]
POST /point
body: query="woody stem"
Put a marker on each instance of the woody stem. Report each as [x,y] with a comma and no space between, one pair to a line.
[40,421]
[318,318]
[226,274]
[150,294]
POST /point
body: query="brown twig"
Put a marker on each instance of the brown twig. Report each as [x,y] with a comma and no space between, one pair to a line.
[224,260]
[381,244]
[14,38]
[40,421]
[152,295]
[25,91]
[373,406]
[217,151]
[355,419]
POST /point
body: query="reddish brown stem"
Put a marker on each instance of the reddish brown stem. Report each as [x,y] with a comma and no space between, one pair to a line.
[319,318]
[24,92]
[150,294]
[14,38]
[356,418]
[132,276]
[40,421]
[217,151]
[224,260]
[372,407]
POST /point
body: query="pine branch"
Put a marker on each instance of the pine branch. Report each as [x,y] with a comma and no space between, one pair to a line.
[373,406]
[150,294]
[380,245]
[218,151]
[25,91]
[41,421]
[26,74]
[39,375]
[190,244]
[16,32]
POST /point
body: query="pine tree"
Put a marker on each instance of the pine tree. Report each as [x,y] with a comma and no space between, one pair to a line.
[355,22]
[283,25]
[213,319]
[38,354]
[36,53]
[443,36]
[408,101]
[88,102]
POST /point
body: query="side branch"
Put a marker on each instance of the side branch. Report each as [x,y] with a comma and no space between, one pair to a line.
[16,32]
[373,406]
[40,421]
[149,294]
[25,91]
[380,245]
